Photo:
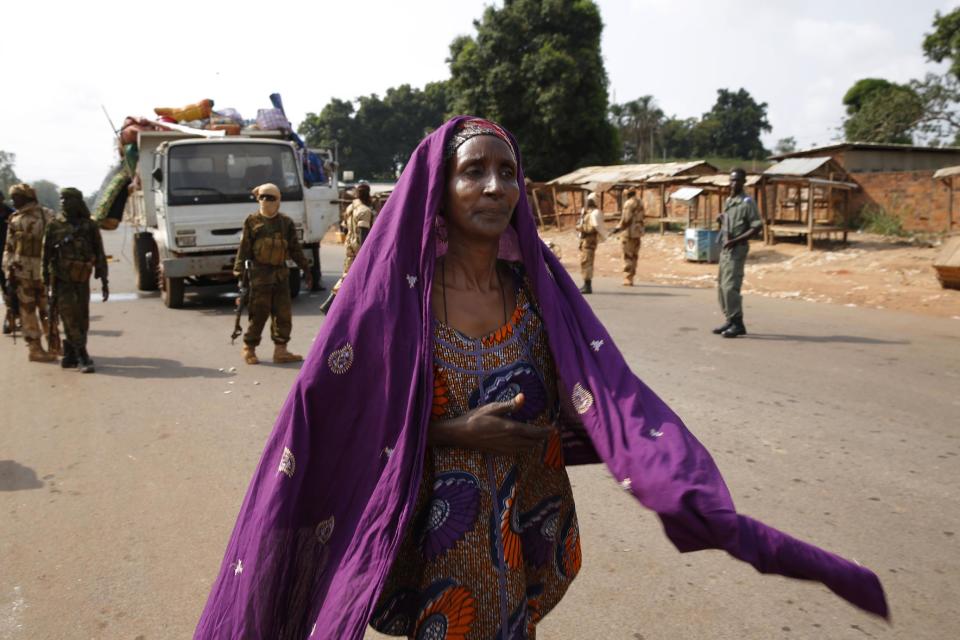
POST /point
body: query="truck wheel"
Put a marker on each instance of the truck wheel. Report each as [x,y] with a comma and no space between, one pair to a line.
[315,269]
[145,265]
[294,282]
[173,292]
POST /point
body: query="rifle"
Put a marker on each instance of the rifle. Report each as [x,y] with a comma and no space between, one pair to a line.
[242,300]
[13,304]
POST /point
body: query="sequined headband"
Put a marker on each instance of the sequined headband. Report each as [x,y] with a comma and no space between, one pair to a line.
[473,128]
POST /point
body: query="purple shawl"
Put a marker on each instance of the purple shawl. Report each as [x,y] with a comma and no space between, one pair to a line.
[334,490]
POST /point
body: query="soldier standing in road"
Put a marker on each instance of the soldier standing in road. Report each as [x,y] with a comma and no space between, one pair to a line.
[72,252]
[269,240]
[9,322]
[739,222]
[358,219]
[592,232]
[22,265]
[631,221]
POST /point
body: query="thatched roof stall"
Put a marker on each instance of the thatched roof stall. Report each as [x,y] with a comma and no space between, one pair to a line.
[811,197]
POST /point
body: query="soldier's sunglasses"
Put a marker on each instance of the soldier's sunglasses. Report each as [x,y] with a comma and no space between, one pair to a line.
[267,197]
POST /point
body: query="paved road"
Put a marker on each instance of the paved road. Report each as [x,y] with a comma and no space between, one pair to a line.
[841,425]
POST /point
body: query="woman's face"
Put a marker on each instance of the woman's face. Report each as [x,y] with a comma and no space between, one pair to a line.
[482,189]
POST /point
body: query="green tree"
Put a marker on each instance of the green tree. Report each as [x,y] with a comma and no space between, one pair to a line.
[732,127]
[881,111]
[944,42]
[677,137]
[638,123]
[7,174]
[535,67]
[48,193]
[785,145]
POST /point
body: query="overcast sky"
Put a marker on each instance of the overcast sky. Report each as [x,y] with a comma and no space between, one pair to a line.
[64,59]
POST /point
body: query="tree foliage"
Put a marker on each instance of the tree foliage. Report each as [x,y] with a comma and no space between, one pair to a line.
[535,67]
[7,174]
[377,136]
[639,123]
[732,128]
[944,42]
[785,145]
[48,193]
[881,111]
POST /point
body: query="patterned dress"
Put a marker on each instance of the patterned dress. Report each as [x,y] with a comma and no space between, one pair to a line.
[494,543]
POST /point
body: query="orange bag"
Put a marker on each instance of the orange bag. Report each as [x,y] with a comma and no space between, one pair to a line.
[196,111]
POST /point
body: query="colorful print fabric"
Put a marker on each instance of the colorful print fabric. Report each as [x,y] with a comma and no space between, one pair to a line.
[494,542]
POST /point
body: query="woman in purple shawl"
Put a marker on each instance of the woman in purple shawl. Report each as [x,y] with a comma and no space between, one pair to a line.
[415,477]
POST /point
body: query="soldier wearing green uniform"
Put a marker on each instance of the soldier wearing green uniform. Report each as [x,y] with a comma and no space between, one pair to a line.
[269,240]
[739,222]
[72,252]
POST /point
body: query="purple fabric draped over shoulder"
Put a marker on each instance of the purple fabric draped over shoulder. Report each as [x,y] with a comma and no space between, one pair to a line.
[335,487]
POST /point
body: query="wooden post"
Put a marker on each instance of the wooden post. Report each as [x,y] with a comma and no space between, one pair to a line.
[762,188]
[810,216]
[663,207]
[556,206]
[950,207]
[846,214]
[536,206]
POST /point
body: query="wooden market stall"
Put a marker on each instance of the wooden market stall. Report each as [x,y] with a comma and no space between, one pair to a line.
[949,177]
[715,190]
[653,182]
[806,197]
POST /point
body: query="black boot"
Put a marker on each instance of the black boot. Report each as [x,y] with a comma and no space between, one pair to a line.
[69,360]
[736,330]
[586,288]
[726,325]
[325,307]
[86,364]
[7,328]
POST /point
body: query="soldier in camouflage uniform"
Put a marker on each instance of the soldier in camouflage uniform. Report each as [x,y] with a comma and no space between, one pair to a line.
[631,221]
[269,240]
[358,219]
[591,231]
[9,322]
[22,264]
[739,222]
[72,252]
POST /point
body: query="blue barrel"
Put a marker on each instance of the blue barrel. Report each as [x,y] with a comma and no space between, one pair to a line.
[701,245]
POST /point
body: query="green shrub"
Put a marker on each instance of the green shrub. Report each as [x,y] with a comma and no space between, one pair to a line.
[876,219]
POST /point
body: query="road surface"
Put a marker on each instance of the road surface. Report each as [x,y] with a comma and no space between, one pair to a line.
[840,425]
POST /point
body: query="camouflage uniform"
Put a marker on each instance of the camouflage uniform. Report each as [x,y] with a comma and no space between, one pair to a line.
[22,261]
[631,224]
[269,242]
[72,252]
[357,216]
[592,233]
[739,214]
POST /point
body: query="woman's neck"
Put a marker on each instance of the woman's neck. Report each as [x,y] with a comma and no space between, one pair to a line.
[472,265]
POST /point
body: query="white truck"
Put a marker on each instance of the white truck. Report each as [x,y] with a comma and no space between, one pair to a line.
[193,195]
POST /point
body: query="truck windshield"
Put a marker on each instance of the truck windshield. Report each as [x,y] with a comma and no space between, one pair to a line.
[212,173]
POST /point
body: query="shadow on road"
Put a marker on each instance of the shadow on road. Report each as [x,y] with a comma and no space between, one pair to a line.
[133,367]
[16,477]
[823,339]
[106,333]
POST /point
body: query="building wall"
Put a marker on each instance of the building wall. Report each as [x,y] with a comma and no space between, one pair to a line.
[915,197]
[857,161]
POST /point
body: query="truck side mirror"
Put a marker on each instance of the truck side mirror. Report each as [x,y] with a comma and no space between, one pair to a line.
[157,174]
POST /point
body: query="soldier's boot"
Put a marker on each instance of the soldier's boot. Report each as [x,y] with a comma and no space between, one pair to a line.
[250,354]
[86,363]
[628,281]
[69,360]
[281,355]
[326,303]
[586,288]
[726,325]
[735,330]
[37,354]
[7,324]
[57,351]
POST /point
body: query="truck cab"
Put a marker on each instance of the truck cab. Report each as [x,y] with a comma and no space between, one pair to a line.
[194,195]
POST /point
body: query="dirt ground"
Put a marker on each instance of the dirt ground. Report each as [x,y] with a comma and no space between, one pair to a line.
[871,271]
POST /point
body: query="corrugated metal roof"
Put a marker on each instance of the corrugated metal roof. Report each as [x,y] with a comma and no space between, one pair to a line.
[626,173]
[866,146]
[723,180]
[796,166]
[946,172]
[686,193]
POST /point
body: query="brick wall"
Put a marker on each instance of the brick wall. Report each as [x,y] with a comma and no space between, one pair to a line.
[920,202]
